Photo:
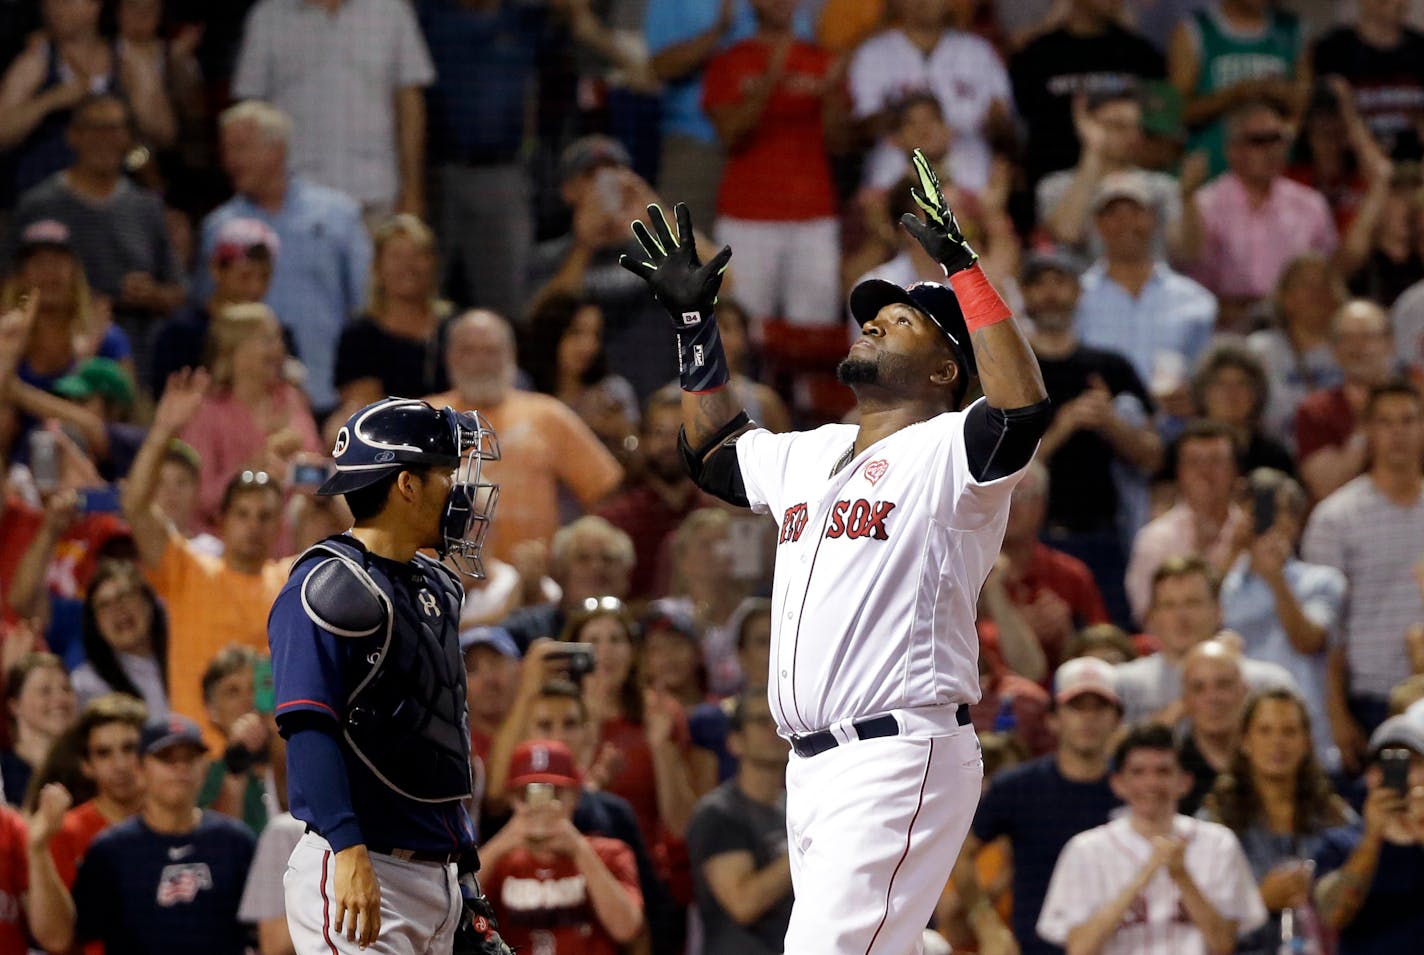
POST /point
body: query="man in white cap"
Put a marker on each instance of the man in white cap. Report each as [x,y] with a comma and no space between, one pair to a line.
[1073,780]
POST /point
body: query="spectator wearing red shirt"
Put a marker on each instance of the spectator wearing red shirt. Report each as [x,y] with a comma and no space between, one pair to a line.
[547,880]
[658,496]
[14,883]
[1328,446]
[107,737]
[777,104]
[1054,592]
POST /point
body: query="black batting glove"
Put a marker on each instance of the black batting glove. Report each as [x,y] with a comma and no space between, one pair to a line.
[688,290]
[938,234]
[678,279]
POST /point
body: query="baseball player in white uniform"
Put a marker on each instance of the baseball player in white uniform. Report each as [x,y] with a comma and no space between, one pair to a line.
[888,530]
[1151,882]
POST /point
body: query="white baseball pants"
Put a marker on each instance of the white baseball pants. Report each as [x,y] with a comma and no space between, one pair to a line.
[873,829]
[420,904]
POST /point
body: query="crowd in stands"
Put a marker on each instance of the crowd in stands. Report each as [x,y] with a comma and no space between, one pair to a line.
[226,225]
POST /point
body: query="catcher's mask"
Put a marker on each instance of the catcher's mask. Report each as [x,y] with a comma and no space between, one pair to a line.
[392,434]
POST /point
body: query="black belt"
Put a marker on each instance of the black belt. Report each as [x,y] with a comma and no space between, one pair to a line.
[814,744]
[409,855]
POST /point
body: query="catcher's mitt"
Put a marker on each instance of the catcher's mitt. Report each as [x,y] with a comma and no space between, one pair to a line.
[478,932]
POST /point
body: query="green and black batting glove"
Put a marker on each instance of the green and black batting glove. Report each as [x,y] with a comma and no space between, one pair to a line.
[687,288]
[938,233]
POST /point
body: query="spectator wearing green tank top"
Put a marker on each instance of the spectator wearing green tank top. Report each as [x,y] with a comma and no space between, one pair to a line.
[1232,52]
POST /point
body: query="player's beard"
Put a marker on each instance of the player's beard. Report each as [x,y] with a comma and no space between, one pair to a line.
[884,370]
[854,370]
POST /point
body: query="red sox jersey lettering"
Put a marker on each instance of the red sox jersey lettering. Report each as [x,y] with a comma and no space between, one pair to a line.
[878,568]
[852,519]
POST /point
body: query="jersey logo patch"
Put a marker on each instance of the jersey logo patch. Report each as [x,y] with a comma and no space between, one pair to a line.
[691,318]
[793,522]
[179,884]
[428,603]
[860,518]
[875,470]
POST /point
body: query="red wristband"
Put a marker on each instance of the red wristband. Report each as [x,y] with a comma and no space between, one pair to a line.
[978,300]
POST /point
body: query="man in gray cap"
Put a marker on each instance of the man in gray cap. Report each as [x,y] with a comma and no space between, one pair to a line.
[1372,873]
[1132,300]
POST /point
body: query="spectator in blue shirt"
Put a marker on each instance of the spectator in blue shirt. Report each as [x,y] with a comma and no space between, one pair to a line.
[1285,609]
[319,281]
[1133,303]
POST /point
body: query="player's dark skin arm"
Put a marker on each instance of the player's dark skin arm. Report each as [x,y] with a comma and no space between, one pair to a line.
[703,415]
[1008,370]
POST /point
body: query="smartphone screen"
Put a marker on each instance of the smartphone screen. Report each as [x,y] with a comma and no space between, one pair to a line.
[1394,767]
[1265,510]
[538,794]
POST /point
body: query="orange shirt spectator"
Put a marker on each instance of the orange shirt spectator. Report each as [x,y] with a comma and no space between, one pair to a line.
[210,605]
[544,445]
[81,825]
[212,601]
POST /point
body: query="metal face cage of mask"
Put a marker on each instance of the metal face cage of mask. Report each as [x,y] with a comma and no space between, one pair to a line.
[469,508]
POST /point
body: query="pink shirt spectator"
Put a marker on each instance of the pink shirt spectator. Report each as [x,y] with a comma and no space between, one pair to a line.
[229,437]
[1245,247]
[1175,532]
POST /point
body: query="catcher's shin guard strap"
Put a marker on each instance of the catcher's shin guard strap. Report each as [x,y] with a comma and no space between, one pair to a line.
[701,362]
[980,303]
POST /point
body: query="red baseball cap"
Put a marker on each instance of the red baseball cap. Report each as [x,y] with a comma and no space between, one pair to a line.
[543,761]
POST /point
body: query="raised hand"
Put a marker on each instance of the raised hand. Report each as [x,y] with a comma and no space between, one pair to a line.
[939,234]
[15,325]
[678,279]
[50,806]
[182,397]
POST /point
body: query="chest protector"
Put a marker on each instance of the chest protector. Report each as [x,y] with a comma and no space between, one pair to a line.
[406,717]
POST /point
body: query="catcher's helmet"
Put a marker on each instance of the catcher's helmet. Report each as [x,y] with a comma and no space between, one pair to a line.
[393,434]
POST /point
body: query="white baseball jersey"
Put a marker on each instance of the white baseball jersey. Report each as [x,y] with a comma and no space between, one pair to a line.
[1098,864]
[878,570]
[964,73]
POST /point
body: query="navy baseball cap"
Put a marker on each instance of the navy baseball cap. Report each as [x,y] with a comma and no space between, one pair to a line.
[176,730]
[496,638]
[935,300]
